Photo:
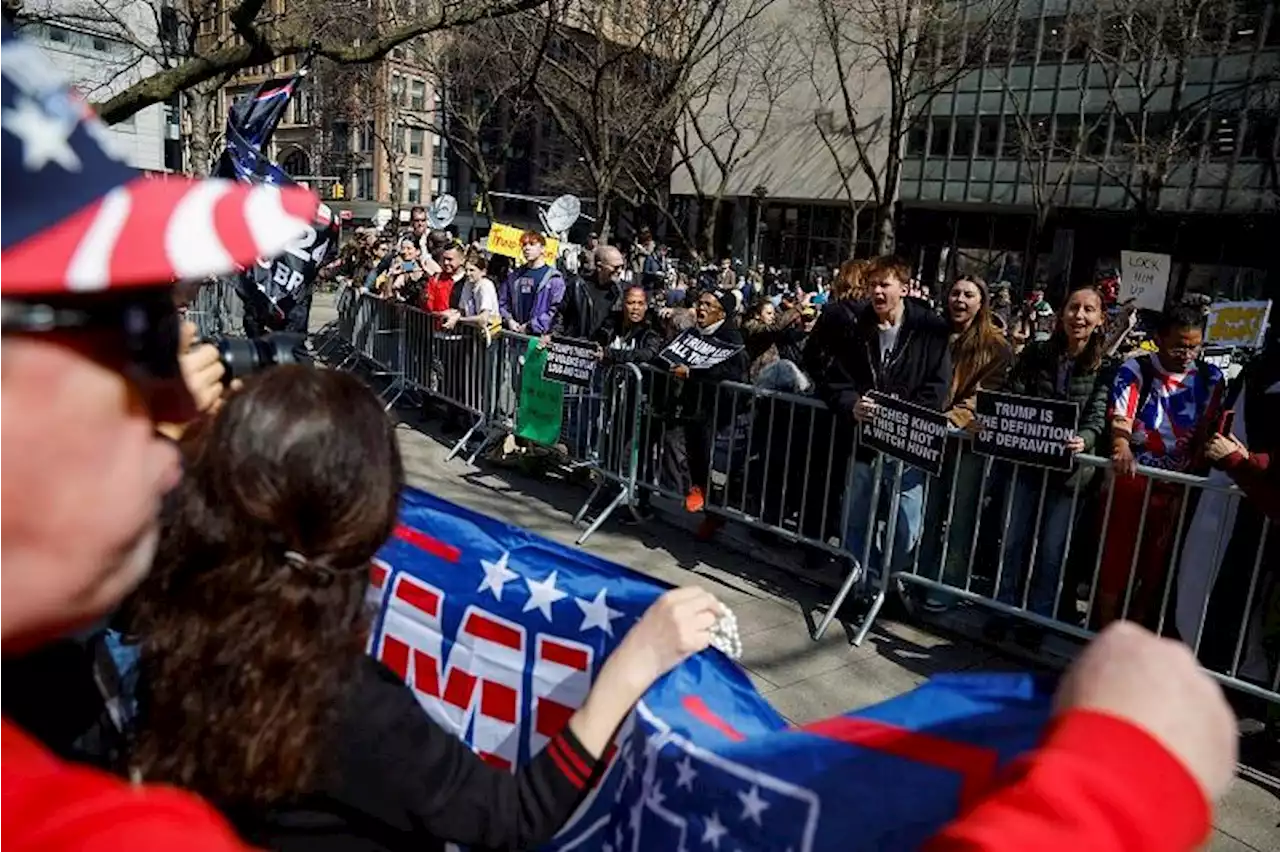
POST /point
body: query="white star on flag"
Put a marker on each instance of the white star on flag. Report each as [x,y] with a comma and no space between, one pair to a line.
[687,773]
[44,138]
[714,831]
[752,805]
[596,613]
[496,575]
[543,594]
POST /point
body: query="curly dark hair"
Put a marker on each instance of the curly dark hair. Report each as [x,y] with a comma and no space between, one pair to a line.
[254,618]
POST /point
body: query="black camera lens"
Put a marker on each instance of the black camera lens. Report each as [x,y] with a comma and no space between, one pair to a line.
[243,356]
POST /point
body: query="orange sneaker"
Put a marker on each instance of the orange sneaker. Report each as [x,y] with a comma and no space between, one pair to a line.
[694,501]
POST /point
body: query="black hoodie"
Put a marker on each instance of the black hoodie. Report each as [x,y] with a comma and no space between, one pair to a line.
[846,352]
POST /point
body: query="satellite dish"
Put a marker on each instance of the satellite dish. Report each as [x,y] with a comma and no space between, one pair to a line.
[564,211]
[442,211]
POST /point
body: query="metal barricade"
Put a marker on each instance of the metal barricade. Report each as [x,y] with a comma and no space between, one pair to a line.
[614,455]
[1063,554]
[217,310]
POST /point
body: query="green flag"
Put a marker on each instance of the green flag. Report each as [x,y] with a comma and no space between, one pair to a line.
[541,402]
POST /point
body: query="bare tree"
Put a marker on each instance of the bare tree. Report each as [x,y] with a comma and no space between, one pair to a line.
[875,66]
[1050,148]
[615,76]
[734,101]
[483,75]
[1144,50]
[186,56]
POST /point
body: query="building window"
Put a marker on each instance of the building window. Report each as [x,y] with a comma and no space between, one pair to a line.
[1066,134]
[962,137]
[397,90]
[1221,143]
[1028,32]
[364,183]
[415,141]
[417,94]
[366,137]
[940,136]
[341,137]
[435,186]
[1259,132]
[917,138]
[988,135]
[397,138]
[413,189]
[1011,143]
[1096,145]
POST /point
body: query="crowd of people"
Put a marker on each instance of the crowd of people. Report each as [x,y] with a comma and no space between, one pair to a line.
[183,621]
[1151,401]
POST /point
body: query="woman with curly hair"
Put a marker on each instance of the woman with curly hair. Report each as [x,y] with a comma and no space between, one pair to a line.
[253,686]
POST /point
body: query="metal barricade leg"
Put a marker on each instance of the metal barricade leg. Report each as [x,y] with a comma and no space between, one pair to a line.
[857,570]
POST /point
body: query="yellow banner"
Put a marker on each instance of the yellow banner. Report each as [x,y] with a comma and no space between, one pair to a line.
[1237,323]
[505,240]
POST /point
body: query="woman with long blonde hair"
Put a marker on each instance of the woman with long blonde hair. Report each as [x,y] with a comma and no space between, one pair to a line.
[980,355]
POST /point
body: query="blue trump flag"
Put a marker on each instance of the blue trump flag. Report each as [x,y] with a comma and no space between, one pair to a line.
[499,633]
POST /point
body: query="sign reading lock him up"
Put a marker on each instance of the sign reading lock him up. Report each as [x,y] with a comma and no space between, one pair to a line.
[1144,277]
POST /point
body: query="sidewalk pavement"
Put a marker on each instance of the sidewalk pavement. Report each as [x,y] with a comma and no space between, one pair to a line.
[803,679]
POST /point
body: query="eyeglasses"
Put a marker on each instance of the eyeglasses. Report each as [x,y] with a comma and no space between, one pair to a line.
[1185,351]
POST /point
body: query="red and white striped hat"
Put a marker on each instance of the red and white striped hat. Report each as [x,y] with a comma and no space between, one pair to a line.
[76,219]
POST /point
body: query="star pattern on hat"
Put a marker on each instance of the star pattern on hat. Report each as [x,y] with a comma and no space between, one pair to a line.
[45,139]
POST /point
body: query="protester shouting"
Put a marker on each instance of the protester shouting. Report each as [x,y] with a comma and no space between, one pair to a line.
[897,347]
[303,739]
[530,298]
[980,359]
[1163,407]
[1071,366]
[688,443]
[628,336]
[768,333]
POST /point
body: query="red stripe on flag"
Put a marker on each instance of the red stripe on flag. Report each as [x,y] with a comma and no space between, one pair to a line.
[550,717]
[498,701]
[426,674]
[418,598]
[488,629]
[377,575]
[574,658]
[395,654]
[560,763]
[459,688]
[975,765]
[230,223]
[698,709]
[426,543]
[496,761]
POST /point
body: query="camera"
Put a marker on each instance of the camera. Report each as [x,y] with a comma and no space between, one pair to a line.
[242,357]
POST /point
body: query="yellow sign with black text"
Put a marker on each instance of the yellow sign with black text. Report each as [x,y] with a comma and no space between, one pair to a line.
[505,240]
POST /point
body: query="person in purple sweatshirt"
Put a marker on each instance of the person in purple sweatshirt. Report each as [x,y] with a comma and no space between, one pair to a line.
[529,299]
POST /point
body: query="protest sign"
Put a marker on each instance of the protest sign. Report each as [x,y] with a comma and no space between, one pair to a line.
[1026,429]
[697,352]
[1144,278]
[1242,324]
[570,362]
[541,402]
[505,240]
[908,432]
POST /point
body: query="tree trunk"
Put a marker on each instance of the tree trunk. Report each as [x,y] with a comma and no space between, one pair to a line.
[709,223]
[885,228]
[198,102]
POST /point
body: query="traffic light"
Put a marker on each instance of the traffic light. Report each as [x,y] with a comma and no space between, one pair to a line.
[339,191]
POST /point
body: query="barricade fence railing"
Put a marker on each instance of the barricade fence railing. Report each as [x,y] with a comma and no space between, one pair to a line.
[217,309]
[1041,551]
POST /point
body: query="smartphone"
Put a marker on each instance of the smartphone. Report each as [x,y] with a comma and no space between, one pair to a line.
[409,266]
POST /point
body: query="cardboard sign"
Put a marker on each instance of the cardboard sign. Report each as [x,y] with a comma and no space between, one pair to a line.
[696,351]
[1025,429]
[1144,277]
[541,408]
[570,362]
[505,240]
[908,432]
[1241,324]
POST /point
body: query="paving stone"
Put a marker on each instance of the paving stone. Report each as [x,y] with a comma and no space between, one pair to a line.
[860,683]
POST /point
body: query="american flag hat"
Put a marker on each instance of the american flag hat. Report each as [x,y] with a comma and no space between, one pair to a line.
[78,220]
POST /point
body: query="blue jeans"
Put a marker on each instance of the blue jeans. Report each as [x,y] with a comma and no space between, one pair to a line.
[910,508]
[1055,518]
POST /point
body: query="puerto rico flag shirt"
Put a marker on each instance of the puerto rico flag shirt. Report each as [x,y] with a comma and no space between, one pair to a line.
[1176,405]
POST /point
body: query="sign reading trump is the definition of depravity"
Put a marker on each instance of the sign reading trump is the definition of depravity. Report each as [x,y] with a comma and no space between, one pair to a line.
[1026,429]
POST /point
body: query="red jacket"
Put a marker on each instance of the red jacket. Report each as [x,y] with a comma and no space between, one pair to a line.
[1257,478]
[438,295]
[53,806]
[1097,783]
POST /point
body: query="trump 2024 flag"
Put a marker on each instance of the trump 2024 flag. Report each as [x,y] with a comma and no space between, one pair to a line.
[499,633]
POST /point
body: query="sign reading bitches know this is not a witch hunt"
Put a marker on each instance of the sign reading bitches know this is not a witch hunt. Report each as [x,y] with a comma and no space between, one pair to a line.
[908,432]
[1025,429]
